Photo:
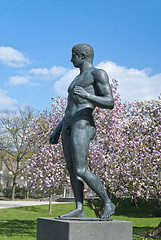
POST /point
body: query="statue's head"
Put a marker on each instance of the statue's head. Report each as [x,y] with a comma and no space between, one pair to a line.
[84,50]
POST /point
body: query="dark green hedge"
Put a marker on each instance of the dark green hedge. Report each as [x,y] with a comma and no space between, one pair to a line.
[20,192]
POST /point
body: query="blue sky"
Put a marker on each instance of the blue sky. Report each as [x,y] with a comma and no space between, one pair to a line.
[37,37]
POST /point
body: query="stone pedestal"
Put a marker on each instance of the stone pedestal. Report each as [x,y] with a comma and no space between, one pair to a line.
[56,229]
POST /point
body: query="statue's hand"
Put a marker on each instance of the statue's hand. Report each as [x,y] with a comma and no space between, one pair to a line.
[80,92]
[54,137]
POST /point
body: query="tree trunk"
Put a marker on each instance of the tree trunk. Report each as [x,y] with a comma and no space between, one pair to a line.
[13,188]
[156,232]
[134,201]
[65,192]
[50,204]
[27,194]
[97,210]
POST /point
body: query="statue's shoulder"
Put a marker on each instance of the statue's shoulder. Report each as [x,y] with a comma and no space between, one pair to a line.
[100,75]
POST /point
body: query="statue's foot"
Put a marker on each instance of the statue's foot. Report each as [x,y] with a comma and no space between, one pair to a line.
[109,209]
[75,213]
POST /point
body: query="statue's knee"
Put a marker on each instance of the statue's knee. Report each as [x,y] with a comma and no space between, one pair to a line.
[80,172]
[81,124]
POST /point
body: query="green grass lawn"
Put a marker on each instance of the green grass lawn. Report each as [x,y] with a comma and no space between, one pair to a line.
[21,223]
[141,217]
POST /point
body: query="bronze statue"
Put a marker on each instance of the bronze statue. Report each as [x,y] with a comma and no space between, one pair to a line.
[89,89]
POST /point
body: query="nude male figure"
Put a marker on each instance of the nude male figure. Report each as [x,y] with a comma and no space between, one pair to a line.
[89,89]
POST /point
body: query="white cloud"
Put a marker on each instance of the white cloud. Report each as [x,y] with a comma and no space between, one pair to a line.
[133,83]
[61,86]
[35,75]
[5,101]
[48,74]
[19,80]
[12,57]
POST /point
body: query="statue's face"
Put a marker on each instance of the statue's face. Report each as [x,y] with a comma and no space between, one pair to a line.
[76,60]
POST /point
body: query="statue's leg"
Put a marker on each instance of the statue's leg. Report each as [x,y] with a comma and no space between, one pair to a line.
[81,133]
[76,182]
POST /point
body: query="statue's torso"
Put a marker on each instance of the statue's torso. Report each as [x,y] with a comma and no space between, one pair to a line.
[76,103]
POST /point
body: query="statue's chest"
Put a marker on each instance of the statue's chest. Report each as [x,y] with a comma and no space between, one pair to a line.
[84,80]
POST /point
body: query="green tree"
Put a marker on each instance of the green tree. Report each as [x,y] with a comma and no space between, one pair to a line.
[14,147]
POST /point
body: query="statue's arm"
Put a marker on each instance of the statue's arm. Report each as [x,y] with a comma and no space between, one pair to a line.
[56,134]
[103,97]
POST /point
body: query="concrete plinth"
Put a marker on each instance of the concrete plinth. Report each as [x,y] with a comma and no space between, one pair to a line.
[56,229]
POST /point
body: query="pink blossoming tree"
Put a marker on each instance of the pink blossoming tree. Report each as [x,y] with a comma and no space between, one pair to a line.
[46,169]
[127,150]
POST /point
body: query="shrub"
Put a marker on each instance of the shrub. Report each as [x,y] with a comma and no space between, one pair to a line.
[58,191]
[20,192]
[157,209]
[1,187]
[7,192]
